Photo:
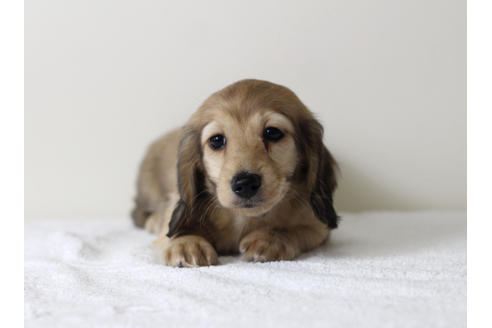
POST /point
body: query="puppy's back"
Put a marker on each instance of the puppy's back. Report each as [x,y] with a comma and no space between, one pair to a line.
[157,178]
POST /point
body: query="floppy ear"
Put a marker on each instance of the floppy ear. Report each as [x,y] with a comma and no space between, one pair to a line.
[186,215]
[320,171]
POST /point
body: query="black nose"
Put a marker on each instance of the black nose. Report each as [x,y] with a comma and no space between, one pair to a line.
[246,185]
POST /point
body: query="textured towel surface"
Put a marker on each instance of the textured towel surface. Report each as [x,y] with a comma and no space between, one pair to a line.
[379,270]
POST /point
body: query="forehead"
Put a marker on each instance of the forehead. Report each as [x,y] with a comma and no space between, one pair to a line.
[250,104]
[224,122]
[244,98]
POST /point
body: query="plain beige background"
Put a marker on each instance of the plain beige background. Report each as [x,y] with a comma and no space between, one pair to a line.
[103,78]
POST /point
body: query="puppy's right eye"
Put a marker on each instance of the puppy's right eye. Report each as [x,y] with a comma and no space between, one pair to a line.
[217,142]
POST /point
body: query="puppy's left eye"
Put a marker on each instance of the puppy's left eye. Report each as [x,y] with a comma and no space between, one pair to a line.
[272,134]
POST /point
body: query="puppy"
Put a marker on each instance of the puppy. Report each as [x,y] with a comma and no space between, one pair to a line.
[247,174]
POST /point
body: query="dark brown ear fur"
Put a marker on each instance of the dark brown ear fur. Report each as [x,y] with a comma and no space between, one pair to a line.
[188,213]
[319,169]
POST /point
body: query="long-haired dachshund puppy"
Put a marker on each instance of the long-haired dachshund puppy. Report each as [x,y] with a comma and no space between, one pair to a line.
[247,174]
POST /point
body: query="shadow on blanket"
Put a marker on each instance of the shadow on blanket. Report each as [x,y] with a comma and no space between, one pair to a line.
[382,234]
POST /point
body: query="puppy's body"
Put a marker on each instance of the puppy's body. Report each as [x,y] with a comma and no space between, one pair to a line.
[184,185]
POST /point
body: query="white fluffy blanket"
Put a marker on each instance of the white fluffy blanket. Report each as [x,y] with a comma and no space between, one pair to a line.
[380,270]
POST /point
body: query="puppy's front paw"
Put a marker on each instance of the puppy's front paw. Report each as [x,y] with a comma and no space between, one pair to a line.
[189,251]
[267,245]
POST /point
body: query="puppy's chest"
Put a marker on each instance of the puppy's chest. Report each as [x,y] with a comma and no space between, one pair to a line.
[230,229]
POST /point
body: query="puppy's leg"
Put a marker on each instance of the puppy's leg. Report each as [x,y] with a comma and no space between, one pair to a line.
[269,244]
[186,251]
[154,222]
[158,221]
[140,215]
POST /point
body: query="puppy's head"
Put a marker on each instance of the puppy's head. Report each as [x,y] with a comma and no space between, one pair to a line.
[245,149]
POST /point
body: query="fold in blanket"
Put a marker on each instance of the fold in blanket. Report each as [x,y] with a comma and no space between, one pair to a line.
[379,270]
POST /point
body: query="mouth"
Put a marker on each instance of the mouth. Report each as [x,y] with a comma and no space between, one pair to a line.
[249,203]
[253,208]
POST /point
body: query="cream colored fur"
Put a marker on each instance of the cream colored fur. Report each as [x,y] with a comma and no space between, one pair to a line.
[281,226]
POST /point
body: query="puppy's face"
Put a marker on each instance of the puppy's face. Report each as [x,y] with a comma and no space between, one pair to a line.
[250,159]
[245,148]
